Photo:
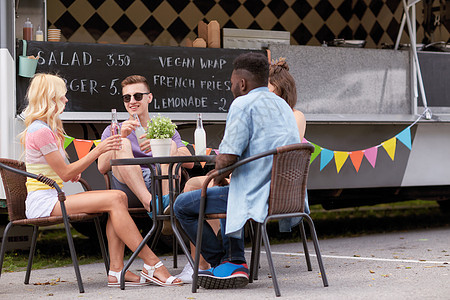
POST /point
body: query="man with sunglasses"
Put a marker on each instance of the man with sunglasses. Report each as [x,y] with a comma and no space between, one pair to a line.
[135,180]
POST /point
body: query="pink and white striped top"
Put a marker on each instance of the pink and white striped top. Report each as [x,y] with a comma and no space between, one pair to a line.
[40,140]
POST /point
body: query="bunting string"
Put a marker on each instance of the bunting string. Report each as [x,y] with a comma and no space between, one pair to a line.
[356,156]
[82,147]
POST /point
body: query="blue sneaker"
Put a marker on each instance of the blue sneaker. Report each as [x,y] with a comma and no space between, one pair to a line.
[227,275]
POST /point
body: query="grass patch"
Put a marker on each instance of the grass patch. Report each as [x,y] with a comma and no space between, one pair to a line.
[357,221]
[52,250]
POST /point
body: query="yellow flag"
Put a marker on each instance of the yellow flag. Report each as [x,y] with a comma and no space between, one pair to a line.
[389,146]
[96,142]
[340,157]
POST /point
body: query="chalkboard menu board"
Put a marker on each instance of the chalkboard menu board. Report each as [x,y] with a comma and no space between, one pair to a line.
[181,79]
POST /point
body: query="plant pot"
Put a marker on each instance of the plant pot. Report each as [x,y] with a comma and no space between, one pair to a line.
[161,147]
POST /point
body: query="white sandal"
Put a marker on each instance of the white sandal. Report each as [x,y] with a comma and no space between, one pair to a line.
[142,281]
[151,270]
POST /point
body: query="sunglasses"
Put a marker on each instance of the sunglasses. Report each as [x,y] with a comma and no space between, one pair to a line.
[138,97]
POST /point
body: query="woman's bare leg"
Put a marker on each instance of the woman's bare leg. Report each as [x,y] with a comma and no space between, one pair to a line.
[114,203]
[132,175]
[116,251]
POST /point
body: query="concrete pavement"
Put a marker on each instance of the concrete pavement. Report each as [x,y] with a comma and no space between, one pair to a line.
[401,265]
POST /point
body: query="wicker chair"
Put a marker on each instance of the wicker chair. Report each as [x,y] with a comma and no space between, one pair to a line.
[286,200]
[14,176]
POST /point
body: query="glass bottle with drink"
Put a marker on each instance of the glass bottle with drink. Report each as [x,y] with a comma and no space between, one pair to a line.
[200,137]
[115,128]
[140,130]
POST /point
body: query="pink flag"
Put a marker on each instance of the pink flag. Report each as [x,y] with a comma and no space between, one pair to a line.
[371,155]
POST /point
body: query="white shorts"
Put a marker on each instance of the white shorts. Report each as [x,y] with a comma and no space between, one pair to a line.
[40,203]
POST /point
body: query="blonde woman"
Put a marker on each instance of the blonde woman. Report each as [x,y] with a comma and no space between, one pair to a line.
[43,140]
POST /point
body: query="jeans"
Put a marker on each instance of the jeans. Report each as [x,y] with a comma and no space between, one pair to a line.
[187,206]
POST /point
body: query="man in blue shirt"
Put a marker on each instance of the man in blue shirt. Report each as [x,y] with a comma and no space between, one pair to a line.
[258,121]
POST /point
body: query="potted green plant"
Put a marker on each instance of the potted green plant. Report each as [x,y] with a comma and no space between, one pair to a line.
[160,130]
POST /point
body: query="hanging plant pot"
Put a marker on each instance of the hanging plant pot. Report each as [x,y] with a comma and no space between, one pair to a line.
[161,147]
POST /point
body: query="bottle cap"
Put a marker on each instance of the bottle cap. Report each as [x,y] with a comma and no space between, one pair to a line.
[28,23]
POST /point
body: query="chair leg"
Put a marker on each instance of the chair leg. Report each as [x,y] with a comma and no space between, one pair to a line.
[305,245]
[101,240]
[198,244]
[317,248]
[256,252]
[73,254]
[31,255]
[175,251]
[4,241]
[269,259]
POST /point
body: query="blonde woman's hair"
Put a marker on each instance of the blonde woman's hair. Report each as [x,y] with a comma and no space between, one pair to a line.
[44,103]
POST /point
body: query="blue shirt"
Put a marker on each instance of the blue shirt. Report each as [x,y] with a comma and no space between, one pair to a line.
[257,122]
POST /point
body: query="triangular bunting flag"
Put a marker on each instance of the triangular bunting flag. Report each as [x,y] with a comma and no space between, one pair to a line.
[96,142]
[371,155]
[405,137]
[208,152]
[304,141]
[356,157]
[325,157]
[317,150]
[82,147]
[67,141]
[339,158]
[216,151]
[389,146]
[185,143]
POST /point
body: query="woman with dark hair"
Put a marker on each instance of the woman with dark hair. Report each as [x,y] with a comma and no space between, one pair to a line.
[282,83]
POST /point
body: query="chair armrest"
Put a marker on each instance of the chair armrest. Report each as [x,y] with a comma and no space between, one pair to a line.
[40,177]
[85,184]
[215,173]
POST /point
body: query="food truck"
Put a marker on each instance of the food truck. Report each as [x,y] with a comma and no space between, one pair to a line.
[379,118]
